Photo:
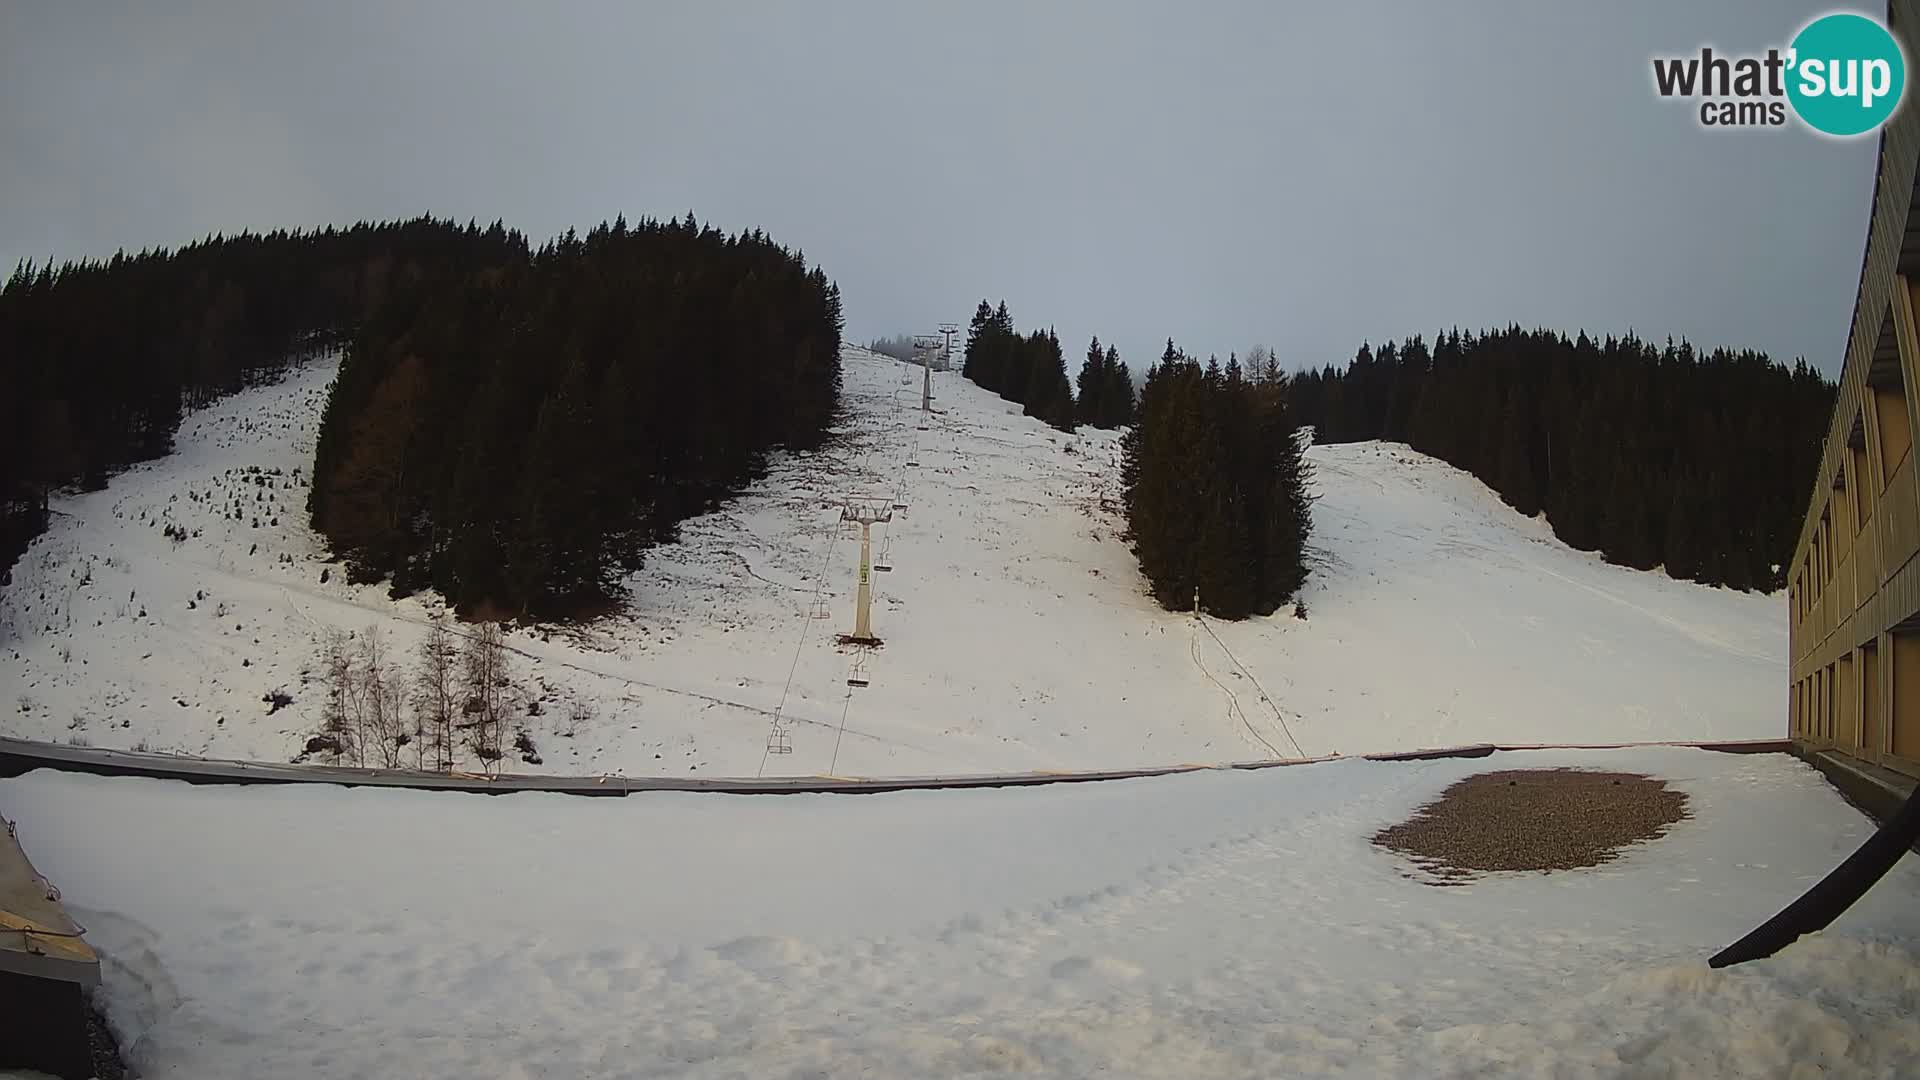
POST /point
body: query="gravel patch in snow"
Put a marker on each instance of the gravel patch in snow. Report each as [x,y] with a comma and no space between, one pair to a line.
[1534,819]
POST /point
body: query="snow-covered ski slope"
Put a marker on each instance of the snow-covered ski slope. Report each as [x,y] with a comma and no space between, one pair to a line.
[1212,925]
[1017,631]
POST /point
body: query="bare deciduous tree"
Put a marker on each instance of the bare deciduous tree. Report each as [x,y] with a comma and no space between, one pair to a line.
[336,651]
[435,696]
[484,683]
[1262,365]
[380,701]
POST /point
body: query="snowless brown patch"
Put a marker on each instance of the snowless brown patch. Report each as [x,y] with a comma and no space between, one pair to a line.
[1534,819]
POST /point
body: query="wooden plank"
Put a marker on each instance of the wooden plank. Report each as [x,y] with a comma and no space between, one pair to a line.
[18,756]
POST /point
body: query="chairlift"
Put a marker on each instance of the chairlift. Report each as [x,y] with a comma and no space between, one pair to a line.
[857,680]
[777,743]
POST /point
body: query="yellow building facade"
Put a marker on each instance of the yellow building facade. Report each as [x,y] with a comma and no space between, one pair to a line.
[1854,583]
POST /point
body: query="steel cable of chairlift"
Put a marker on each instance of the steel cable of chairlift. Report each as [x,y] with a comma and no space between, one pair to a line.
[833,764]
[806,627]
[857,673]
[858,664]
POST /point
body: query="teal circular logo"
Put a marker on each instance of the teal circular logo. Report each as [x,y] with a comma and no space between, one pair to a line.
[1846,74]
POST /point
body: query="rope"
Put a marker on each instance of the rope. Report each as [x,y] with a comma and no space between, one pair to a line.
[1201,619]
[12,923]
[1233,703]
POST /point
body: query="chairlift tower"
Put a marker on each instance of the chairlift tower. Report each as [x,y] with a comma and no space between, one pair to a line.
[925,345]
[867,516]
[947,330]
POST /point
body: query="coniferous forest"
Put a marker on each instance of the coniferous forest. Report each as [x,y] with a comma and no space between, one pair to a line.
[513,427]
[1653,456]
[1028,370]
[99,359]
[516,436]
[1216,488]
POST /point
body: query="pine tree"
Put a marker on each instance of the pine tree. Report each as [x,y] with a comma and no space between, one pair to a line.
[1404,392]
[1221,559]
[1092,385]
[1057,391]
[1003,361]
[1117,398]
[1682,542]
[1515,481]
[979,335]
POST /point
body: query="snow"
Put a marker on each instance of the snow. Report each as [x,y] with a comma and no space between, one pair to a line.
[1213,924]
[1018,634]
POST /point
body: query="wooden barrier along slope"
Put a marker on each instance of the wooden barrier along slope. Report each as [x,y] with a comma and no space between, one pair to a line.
[18,756]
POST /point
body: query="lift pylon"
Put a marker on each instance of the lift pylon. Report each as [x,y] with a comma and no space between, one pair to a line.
[867,516]
[926,345]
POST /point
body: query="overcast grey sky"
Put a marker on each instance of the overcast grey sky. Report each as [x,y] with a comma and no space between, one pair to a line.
[1303,175]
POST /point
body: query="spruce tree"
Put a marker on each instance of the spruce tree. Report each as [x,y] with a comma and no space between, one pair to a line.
[1221,557]
[1515,481]
[979,333]
[1117,397]
[1091,386]
[1215,489]
[1681,547]
[1003,365]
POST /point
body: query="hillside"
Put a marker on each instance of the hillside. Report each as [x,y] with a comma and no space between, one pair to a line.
[1017,632]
